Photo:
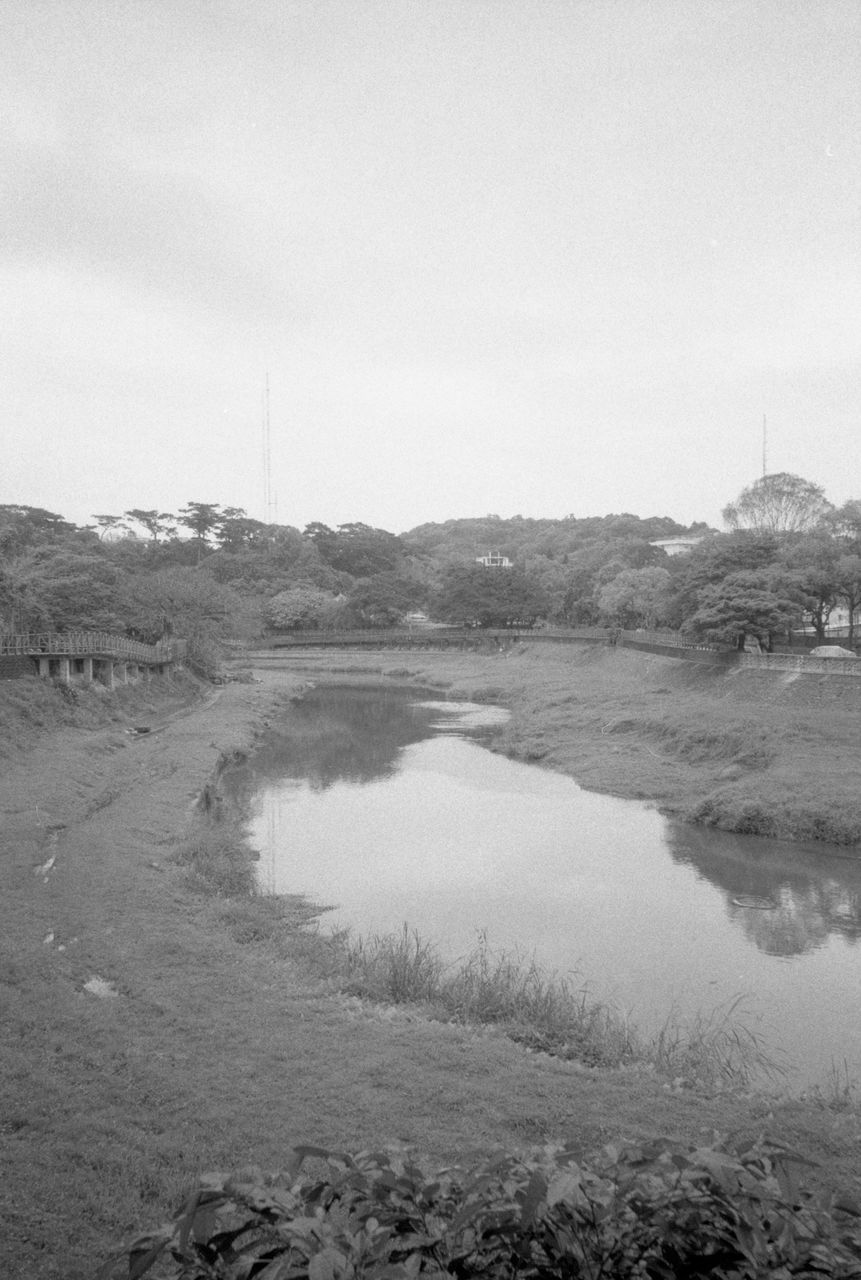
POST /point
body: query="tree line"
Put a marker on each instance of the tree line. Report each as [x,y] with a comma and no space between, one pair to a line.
[786,559]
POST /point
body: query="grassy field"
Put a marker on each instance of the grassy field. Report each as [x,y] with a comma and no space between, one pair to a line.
[159,1021]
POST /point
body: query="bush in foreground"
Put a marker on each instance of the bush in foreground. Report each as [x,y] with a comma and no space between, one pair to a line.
[655,1211]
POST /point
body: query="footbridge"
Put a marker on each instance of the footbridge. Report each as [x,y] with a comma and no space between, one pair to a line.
[86,656]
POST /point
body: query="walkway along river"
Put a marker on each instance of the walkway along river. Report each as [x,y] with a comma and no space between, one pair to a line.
[388,807]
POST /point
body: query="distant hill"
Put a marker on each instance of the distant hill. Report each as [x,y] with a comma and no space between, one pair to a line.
[519,535]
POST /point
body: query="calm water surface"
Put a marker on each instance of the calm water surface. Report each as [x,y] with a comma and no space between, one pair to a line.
[386,806]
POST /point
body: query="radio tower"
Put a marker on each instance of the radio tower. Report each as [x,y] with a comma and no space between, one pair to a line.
[764,467]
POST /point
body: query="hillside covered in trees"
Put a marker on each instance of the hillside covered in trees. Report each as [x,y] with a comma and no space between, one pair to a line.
[212,574]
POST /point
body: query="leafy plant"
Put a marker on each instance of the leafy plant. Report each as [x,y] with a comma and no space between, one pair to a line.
[658,1210]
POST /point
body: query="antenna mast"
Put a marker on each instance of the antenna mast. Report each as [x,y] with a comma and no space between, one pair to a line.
[764,452]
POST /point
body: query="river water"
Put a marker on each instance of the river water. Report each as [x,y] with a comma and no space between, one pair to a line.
[388,807]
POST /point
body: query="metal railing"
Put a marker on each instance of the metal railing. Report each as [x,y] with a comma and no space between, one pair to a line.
[76,644]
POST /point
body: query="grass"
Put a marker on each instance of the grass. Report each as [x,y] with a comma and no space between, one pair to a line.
[546,1011]
[220,1050]
[30,706]
[217,859]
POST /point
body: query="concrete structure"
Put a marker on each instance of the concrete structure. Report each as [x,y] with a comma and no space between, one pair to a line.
[493,560]
[677,546]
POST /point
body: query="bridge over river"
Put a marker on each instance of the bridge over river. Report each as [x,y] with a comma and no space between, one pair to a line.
[85,655]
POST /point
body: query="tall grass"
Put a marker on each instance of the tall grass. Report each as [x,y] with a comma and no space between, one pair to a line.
[548,1011]
[713,1048]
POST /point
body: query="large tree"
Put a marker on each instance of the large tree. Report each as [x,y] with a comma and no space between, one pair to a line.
[809,570]
[158,524]
[299,608]
[744,603]
[202,518]
[489,597]
[636,597]
[778,504]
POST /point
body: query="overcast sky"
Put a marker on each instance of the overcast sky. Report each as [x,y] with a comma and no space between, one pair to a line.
[514,256]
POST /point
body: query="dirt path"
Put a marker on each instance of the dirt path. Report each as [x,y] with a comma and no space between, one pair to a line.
[143,1043]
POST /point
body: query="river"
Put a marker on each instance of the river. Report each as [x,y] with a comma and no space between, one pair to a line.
[388,807]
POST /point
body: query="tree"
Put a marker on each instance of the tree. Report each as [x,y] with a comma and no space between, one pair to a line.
[778,504]
[811,577]
[849,587]
[745,603]
[356,548]
[63,588]
[180,601]
[384,599]
[202,518]
[107,523]
[157,523]
[22,527]
[236,529]
[636,597]
[299,608]
[717,556]
[474,594]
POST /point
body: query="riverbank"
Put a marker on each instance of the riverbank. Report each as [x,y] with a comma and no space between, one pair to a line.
[154,1029]
[743,750]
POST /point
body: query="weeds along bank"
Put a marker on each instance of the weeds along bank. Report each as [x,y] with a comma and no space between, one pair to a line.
[747,751]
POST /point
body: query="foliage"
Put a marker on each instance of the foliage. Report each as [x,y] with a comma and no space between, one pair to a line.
[657,1210]
[202,518]
[488,597]
[636,597]
[63,586]
[384,599]
[745,603]
[23,526]
[778,504]
[356,548]
[185,602]
[299,608]
[158,524]
[811,577]
[546,1011]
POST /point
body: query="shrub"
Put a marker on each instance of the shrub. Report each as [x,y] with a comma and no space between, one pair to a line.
[659,1210]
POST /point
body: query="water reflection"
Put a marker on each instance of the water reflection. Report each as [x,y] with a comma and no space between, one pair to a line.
[787,899]
[384,806]
[355,734]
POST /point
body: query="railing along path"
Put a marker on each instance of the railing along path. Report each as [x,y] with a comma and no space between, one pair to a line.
[96,644]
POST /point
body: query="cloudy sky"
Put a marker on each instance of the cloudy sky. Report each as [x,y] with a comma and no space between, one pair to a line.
[515,256]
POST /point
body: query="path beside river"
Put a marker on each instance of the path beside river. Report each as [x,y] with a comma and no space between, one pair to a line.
[150,1032]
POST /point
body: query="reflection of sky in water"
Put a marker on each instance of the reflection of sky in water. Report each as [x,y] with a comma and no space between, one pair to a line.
[455,840]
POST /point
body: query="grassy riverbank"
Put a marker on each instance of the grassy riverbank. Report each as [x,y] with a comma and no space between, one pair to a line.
[156,1026]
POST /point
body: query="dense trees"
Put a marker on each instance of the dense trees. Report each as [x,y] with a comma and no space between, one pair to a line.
[789,559]
[474,594]
[637,597]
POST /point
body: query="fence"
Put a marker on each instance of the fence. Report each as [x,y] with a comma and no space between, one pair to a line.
[80,644]
[801,664]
